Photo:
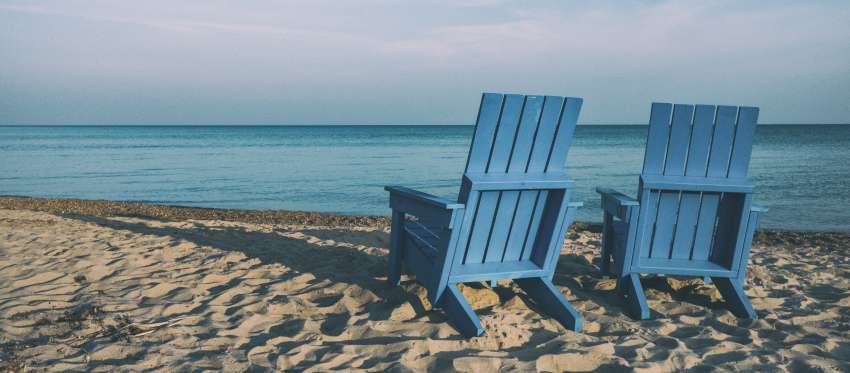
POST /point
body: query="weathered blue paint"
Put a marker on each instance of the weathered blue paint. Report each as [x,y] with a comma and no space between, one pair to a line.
[694,214]
[511,215]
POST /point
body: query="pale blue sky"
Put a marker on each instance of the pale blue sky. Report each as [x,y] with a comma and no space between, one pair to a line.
[393,62]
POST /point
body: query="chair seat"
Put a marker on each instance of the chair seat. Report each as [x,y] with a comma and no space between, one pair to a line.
[683,267]
[497,270]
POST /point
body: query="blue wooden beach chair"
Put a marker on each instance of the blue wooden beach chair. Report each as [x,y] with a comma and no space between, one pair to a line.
[694,214]
[511,215]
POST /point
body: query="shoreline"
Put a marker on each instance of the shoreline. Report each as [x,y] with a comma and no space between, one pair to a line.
[112,208]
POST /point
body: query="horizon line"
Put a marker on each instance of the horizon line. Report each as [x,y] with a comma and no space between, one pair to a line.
[362,125]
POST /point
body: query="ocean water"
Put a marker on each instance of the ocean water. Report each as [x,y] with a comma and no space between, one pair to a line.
[802,173]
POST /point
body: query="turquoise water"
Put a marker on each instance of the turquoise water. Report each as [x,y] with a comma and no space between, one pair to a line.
[802,172]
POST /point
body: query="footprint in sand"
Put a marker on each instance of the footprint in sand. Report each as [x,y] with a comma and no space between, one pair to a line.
[288,328]
[327,300]
[335,324]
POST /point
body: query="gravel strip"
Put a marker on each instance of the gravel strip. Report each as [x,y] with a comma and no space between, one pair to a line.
[104,208]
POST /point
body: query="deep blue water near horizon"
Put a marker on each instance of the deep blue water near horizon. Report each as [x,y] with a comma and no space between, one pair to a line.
[802,173]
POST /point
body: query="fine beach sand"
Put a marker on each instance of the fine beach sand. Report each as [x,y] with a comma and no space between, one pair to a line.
[100,286]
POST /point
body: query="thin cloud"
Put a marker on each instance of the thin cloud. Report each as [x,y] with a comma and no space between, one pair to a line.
[385,62]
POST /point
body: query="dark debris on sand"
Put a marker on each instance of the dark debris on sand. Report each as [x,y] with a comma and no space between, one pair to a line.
[106,208]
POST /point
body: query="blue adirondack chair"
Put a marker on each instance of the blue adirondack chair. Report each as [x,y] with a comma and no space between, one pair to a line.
[511,215]
[694,214]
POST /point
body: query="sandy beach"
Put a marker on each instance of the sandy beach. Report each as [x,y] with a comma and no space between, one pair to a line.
[103,286]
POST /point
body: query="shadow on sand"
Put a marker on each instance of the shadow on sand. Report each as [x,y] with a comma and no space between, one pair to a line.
[331,254]
[356,257]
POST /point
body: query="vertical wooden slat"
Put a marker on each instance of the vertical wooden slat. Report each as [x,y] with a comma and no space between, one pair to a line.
[501,226]
[689,208]
[721,143]
[506,134]
[649,210]
[525,208]
[482,112]
[534,225]
[489,114]
[656,142]
[564,135]
[465,226]
[700,140]
[705,226]
[482,227]
[665,221]
[542,147]
[525,135]
[485,129]
[680,138]
[743,147]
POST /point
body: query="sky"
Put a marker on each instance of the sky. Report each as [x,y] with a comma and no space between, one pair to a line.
[425,62]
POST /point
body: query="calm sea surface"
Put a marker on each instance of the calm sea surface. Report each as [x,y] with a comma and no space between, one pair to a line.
[802,172]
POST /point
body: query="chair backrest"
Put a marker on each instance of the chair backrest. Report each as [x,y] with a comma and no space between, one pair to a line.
[518,134]
[693,185]
[514,134]
[700,141]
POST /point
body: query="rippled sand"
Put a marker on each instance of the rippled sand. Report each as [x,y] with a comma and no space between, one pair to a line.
[81,292]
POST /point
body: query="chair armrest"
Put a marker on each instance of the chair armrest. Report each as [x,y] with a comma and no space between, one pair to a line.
[616,203]
[422,198]
[424,206]
[759,209]
[574,205]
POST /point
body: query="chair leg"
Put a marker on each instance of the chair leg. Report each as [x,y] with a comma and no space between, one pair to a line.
[607,239]
[706,280]
[493,284]
[630,286]
[551,301]
[605,265]
[733,293]
[622,288]
[396,247]
[460,313]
